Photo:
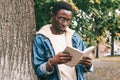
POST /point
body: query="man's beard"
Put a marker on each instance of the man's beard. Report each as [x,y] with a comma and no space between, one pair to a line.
[59,31]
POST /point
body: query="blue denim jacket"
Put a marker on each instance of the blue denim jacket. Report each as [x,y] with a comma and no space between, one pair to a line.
[43,51]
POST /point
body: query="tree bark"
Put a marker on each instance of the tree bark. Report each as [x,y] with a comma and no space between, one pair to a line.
[17,28]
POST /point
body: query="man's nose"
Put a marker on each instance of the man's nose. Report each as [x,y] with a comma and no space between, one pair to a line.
[65,23]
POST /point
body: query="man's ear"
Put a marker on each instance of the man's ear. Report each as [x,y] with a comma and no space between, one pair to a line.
[52,14]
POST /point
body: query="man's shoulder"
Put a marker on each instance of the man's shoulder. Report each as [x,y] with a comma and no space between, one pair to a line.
[43,29]
[39,36]
[70,30]
[76,34]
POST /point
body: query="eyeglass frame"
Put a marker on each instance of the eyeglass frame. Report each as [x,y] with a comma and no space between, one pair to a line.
[63,19]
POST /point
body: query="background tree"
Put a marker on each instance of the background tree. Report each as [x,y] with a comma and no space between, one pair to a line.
[17,28]
[42,12]
[95,17]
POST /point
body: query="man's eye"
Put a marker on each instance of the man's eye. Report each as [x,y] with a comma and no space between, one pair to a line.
[62,19]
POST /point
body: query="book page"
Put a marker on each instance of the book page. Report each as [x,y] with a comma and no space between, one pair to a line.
[88,50]
[77,54]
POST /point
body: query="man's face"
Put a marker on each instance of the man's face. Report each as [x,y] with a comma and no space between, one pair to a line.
[61,20]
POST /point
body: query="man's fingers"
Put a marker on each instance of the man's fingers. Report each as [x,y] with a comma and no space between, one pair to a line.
[65,58]
[88,58]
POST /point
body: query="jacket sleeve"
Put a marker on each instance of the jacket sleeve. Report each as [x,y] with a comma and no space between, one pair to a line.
[39,59]
[79,44]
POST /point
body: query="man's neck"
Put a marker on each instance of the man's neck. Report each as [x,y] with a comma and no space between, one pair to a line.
[54,31]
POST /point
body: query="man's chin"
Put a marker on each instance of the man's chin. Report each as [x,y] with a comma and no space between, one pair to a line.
[61,31]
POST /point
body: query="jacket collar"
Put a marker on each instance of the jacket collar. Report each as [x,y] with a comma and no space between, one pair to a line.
[45,30]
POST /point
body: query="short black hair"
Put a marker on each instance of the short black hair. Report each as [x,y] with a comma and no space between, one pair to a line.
[61,5]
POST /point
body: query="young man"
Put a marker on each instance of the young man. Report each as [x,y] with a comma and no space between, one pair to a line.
[49,44]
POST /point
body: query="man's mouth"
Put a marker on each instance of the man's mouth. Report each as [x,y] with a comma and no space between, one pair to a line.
[62,28]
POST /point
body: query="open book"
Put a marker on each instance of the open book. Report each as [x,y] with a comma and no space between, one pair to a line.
[77,54]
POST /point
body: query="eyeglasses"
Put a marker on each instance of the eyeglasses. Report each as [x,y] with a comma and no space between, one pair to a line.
[62,19]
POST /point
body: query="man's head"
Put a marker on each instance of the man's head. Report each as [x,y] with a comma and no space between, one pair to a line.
[61,5]
[61,16]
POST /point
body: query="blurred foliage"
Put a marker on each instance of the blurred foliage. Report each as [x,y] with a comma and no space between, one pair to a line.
[91,17]
[95,17]
[42,12]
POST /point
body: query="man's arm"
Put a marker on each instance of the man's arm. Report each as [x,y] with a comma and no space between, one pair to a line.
[39,60]
[87,62]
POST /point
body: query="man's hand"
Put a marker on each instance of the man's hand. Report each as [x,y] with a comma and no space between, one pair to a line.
[61,58]
[87,61]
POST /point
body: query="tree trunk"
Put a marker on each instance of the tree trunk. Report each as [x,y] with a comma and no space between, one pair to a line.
[112,44]
[17,28]
[97,50]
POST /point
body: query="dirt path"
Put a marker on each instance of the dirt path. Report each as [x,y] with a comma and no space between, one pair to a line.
[105,69]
